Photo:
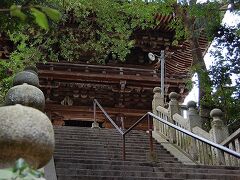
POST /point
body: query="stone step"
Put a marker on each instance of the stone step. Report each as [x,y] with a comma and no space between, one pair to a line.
[104,140]
[106,148]
[85,153]
[109,143]
[103,152]
[194,175]
[96,130]
[114,157]
[83,177]
[112,162]
[171,167]
[104,166]
[149,174]
[101,172]
[102,136]
[86,129]
[160,167]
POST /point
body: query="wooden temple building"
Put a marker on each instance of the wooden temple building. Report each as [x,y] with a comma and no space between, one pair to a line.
[125,90]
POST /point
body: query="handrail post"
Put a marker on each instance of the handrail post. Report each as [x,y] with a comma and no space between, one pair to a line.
[95,123]
[150,134]
[172,109]
[193,120]
[193,117]
[158,100]
[123,147]
[94,111]
[218,133]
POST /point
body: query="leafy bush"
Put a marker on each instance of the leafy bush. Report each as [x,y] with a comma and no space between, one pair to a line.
[21,171]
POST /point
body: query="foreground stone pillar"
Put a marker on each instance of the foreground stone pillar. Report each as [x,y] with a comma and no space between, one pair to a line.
[158,100]
[218,133]
[26,95]
[25,133]
[28,77]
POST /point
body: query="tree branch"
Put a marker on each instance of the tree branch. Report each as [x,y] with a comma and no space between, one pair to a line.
[4,10]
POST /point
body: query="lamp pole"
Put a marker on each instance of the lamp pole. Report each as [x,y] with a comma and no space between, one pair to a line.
[161,61]
[162,72]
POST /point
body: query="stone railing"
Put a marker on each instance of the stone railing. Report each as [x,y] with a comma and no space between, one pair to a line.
[233,142]
[198,151]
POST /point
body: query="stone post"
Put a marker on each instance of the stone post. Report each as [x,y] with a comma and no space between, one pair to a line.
[158,100]
[193,117]
[173,109]
[193,120]
[218,133]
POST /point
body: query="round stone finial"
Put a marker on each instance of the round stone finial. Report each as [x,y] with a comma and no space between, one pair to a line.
[26,77]
[27,95]
[191,104]
[157,90]
[173,95]
[25,133]
[32,69]
[216,113]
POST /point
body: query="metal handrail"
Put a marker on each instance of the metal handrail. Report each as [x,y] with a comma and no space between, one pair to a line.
[95,102]
[106,114]
[148,114]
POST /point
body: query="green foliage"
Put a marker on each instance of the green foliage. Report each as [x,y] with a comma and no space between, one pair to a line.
[53,14]
[21,171]
[90,30]
[21,57]
[226,90]
[17,12]
[207,16]
[40,18]
[106,26]
[29,11]
[7,69]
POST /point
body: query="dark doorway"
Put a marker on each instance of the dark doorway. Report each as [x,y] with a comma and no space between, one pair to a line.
[80,123]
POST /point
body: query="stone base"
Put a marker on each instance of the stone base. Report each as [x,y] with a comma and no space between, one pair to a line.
[152,157]
[95,125]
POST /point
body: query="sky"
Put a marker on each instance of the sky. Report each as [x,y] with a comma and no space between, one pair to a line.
[230,20]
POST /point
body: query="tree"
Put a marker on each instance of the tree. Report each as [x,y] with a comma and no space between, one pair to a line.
[226,88]
[196,19]
[25,12]
[88,28]
[95,29]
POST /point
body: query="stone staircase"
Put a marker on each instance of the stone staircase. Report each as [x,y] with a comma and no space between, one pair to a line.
[90,154]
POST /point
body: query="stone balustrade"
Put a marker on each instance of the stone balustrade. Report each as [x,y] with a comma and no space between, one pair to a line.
[197,150]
